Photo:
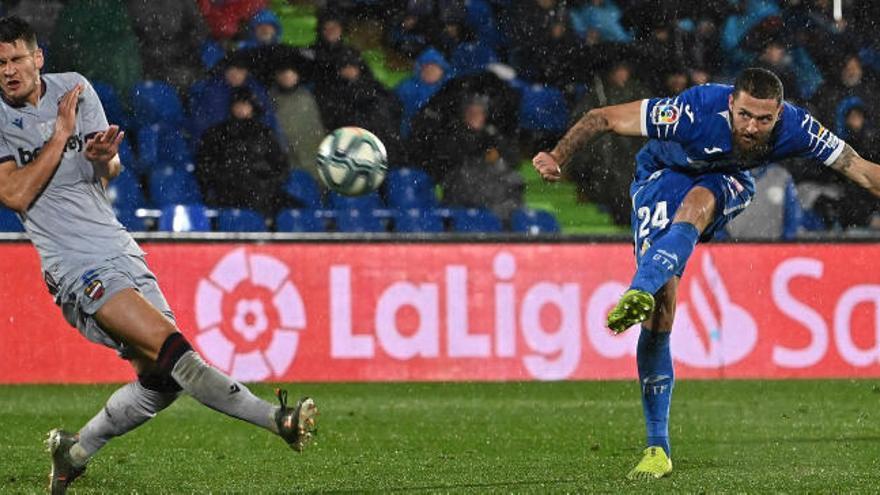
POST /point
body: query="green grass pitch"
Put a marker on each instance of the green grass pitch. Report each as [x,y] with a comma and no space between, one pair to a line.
[728,436]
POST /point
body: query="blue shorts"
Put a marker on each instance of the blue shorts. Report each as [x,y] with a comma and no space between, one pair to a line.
[657,195]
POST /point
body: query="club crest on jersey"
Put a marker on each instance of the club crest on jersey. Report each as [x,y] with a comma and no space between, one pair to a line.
[665,114]
[94,290]
[18,122]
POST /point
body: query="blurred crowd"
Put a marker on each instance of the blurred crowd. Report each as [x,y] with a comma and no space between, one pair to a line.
[492,81]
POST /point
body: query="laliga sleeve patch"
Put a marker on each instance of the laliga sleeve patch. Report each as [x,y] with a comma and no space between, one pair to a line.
[665,114]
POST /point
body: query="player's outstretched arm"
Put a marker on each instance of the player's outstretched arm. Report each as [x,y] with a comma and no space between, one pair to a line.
[20,186]
[858,170]
[624,119]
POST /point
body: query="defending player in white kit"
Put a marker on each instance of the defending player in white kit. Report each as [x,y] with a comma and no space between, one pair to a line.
[57,154]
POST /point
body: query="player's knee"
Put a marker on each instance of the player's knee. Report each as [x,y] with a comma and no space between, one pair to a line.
[158,381]
[172,349]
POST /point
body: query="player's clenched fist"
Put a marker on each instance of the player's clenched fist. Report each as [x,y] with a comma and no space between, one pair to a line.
[547,166]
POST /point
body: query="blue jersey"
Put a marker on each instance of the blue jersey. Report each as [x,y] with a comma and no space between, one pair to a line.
[691,133]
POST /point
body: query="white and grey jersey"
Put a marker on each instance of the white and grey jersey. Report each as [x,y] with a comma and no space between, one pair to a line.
[71,222]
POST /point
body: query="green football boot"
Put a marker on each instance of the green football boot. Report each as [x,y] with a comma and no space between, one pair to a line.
[654,465]
[635,306]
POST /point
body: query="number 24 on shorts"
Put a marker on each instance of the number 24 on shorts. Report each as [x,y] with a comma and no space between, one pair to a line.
[659,219]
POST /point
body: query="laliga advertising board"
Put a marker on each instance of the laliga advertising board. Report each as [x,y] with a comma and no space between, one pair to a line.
[364,312]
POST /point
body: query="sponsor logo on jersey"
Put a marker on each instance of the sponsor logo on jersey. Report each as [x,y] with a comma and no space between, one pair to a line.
[665,114]
[74,143]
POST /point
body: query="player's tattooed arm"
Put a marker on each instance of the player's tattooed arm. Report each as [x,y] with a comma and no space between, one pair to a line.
[592,124]
[858,170]
[622,119]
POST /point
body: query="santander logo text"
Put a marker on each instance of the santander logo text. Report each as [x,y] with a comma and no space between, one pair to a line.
[822,332]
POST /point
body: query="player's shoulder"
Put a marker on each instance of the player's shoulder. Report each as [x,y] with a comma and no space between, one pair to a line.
[64,81]
[796,119]
[709,97]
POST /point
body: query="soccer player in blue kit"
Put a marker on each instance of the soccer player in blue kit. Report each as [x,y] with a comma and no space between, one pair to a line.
[57,154]
[692,177]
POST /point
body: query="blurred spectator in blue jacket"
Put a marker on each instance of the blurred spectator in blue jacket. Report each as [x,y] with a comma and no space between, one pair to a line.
[423,23]
[430,72]
[848,84]
[265,52]
[209,98]
[602,16]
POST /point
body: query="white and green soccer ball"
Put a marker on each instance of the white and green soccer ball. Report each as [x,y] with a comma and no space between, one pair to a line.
[352,161]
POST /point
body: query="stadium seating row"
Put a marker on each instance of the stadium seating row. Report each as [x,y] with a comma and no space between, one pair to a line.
[198,218]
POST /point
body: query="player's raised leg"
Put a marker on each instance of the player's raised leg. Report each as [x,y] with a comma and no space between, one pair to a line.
[131,318]
[656,381]
[665,258]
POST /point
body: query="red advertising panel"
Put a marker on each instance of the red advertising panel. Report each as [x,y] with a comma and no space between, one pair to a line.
[387,311]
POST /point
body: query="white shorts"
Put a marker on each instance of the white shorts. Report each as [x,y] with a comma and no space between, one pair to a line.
[82,291]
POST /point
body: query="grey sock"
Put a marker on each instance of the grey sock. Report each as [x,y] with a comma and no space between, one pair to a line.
[128,408]
[218,391]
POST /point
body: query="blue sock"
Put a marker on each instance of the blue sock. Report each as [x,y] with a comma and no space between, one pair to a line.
[665,257]
[656,378]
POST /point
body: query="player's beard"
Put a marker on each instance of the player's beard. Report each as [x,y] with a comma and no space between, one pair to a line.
[751,149]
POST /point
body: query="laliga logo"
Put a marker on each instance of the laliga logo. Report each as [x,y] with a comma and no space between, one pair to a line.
[249,316]
[728,333]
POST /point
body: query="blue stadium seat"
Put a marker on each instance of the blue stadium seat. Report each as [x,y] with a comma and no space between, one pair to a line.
[130,220]
[184,218]
[125,191]
[156,102]
[533,222]
[9,221]
[418,220]
[365,202]
[409,188]
[475,220]
[173,185]
[297,220]
[113,107]
[358,221]
[128,158]
[162,144]
[302,187]
[240,220]
[543,108]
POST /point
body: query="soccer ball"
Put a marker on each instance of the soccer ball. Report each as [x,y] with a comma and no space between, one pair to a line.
[352,161]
